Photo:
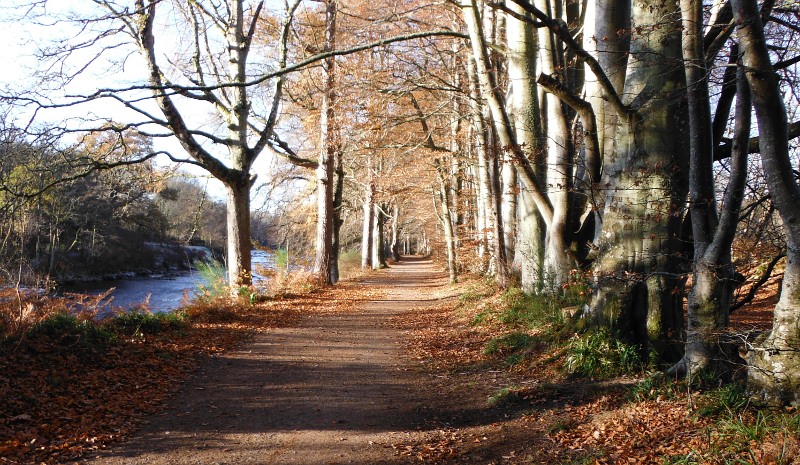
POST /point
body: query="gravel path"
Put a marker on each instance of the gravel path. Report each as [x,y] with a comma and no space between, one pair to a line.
[334,390]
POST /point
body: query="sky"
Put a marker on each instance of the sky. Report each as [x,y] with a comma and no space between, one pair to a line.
[18,58]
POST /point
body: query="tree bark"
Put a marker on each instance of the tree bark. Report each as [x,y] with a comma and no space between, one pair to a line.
[369,219]
[712,270]
[447,223]
[378,255]
[395,244]
[559,155]
[637,263]
[774,359]
[323,262]
[238,229]
[523,106]
[338,219]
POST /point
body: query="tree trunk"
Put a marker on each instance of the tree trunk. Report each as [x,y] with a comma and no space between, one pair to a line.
[495,101]
[559,152]
[369,219]
[378,255]
[447,224]
[238,256]
[637,265]
[338,220]
[498,244]
[395,245]
[712,270]
[774,372]
[523,223]
[323,262]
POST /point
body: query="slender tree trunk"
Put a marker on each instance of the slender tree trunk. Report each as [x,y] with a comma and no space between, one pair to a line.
[498,244]
[239,264]
[495,101]
[369,219]
[338,220]
[774,371]
[712,270]
[524,225]
[447,224]
[323,262]
[395,245]
[559,161]
[479,149]
[378,254]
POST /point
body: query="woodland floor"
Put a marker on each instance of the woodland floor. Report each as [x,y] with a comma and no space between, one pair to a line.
[383,370]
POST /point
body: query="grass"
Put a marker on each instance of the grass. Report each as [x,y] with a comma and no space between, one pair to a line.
[655,387]
[349,264]
[599,354]
[520,311]
[512,342]
[71,332]
[215,280]
[137,323]
[505,396]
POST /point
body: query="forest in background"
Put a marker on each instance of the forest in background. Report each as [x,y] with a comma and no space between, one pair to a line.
[636,159]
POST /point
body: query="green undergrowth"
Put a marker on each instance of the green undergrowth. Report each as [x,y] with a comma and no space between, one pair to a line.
[738,432]
[541,329]
[525,311]
[80,334]
[599,354]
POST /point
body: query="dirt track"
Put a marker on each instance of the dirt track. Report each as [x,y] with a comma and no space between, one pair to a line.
[333,390]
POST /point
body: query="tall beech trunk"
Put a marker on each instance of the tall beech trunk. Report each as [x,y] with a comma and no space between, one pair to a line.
[326,170]
[559,152]
[774,359]
[523,106]
[378,251]
[495,100]
[603,20]
[712,270]
[238,230]
[338,220]
[447,222]
[637,266]
[499,257]
[369,219]
[395,242]
[479,147]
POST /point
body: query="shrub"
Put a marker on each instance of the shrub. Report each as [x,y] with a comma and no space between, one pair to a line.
[656,386]
[215,280]
[512,342]
[138,323]
[601,355]
[69,331]
[281,260]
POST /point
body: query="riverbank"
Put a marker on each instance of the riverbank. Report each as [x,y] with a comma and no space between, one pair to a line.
[154,259]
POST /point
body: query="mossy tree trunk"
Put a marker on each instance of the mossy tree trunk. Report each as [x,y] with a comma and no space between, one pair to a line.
[774,359]
[636,270]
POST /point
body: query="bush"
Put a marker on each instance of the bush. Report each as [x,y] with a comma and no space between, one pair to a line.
[69,331]
[215,280]
[601,355]
[656,386]
[138,323]
[281,258]
[512,342]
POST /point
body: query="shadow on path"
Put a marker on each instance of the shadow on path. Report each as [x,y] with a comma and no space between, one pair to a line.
[333,390]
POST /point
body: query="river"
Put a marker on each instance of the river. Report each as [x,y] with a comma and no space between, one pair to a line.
[165,292]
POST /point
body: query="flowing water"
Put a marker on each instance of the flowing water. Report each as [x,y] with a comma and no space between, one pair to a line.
[162,293]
